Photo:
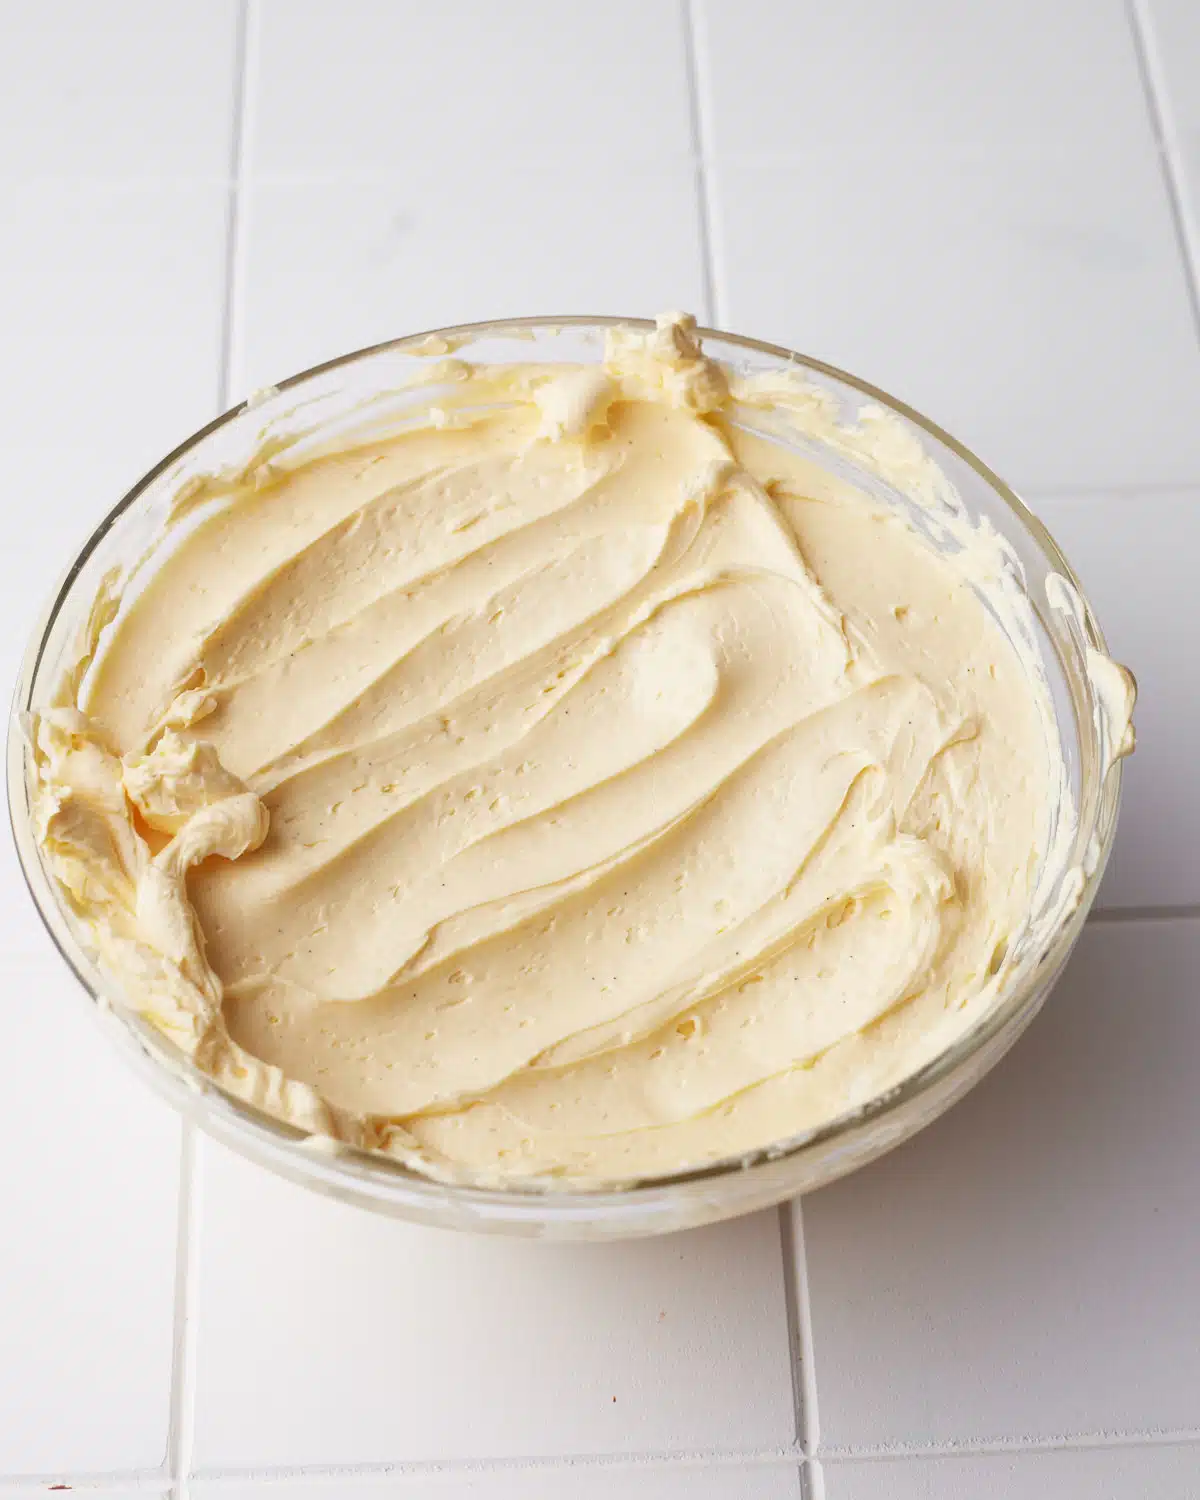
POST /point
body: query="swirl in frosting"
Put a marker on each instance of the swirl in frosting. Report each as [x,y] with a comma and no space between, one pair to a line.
[577,785]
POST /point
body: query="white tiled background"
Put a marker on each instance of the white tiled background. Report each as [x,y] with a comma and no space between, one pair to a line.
[992,208]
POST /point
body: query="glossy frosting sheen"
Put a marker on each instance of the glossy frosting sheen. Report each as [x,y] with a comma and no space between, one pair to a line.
[576,785]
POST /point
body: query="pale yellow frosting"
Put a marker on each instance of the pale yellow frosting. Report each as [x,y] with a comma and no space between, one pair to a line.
[575,786]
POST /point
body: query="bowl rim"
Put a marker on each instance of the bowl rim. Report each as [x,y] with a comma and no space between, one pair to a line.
[177,1077]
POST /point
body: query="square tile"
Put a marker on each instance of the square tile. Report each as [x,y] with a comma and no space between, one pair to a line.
[476,86]
[337,266]
[1166,1473]
[1025,1268]
[111,305]
[329,1335]
[930,75]
[1136,555]
[1037,308]
[132,88]
[763,1481]
[87,1261]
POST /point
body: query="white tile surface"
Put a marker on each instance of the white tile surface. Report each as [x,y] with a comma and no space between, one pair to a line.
[87,1256]
[1137,557]
[929,76]
[1163,1473]
[367,262]
[126,89]
[329,1335]
[385,87]
[111,309]
[964,203]
[1035,306]
[1026,1267]
[773,1481]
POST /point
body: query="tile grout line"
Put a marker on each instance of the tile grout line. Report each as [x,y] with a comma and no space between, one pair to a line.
[713,1458]
[128,1481]
[1110,915]
[800,1329]
[151,1479]
[1084,1442]
[183,1362]
[1157,95]
[791,1228]
[181,1429]
[1186,492]
[812,1480]
[701,156]
[791,1313]
[235,229]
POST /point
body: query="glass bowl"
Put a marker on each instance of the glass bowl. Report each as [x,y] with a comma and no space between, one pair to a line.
[377,385]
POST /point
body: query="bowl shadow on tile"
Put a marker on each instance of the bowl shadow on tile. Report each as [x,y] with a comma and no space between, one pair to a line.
[1136,554]
[1023,1268]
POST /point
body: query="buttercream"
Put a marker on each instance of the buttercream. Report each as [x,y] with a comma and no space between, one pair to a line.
[575,786]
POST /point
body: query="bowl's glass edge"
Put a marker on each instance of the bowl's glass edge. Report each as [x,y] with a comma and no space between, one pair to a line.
[427,1197]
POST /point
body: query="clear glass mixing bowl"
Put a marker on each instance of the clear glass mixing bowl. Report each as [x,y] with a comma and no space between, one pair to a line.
[379,381]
